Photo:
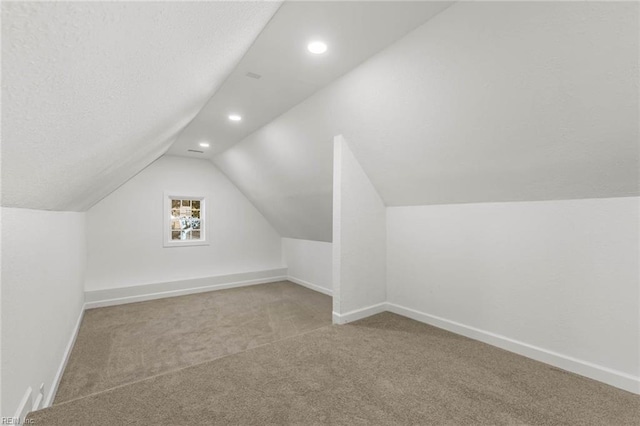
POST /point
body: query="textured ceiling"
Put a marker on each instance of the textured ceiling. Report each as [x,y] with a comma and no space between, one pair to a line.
[93,92]
[488,101]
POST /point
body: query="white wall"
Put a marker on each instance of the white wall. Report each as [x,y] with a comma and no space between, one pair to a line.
[43,265]
[125,230]
[559,275]
[309,263]
[359,239]
[488,101]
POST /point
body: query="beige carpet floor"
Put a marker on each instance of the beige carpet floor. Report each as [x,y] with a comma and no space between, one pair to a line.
[383,370]
[122,344]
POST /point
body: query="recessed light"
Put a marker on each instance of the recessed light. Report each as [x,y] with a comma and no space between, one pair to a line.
[235,117]
[317,47]
[204,144]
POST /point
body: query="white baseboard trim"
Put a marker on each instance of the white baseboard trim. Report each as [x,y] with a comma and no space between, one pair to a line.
[37,404]
[65,358]
[358,313]
[309,285]
[584,368]
[141,293]
[24,408]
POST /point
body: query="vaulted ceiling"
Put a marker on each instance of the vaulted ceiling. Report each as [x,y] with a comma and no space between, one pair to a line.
[92,92]
[278,72]
[486,101]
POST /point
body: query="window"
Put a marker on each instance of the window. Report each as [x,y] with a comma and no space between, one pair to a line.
[184,223]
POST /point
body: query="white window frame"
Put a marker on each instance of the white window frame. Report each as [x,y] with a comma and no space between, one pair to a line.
[204,236]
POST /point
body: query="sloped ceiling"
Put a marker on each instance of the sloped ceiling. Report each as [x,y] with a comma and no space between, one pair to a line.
[488,101]
[288,73]
[93,92]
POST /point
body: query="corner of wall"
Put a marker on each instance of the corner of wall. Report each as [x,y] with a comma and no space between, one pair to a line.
[359,238]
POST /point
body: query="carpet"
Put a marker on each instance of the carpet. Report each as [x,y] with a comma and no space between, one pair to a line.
[122,344]
[383,370]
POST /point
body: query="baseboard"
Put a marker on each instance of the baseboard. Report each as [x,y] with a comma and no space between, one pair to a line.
[606,375]
[358,314]
[24,408]
[37,404]
[141,293]
[65,358]
[309,285]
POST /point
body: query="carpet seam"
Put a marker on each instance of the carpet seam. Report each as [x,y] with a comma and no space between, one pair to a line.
[189,366]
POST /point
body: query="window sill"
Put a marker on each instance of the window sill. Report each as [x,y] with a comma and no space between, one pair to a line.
[185,244]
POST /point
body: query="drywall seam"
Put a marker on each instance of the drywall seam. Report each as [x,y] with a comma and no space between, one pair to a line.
[310,286]
[121,296]
[65,359]
[583,368]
